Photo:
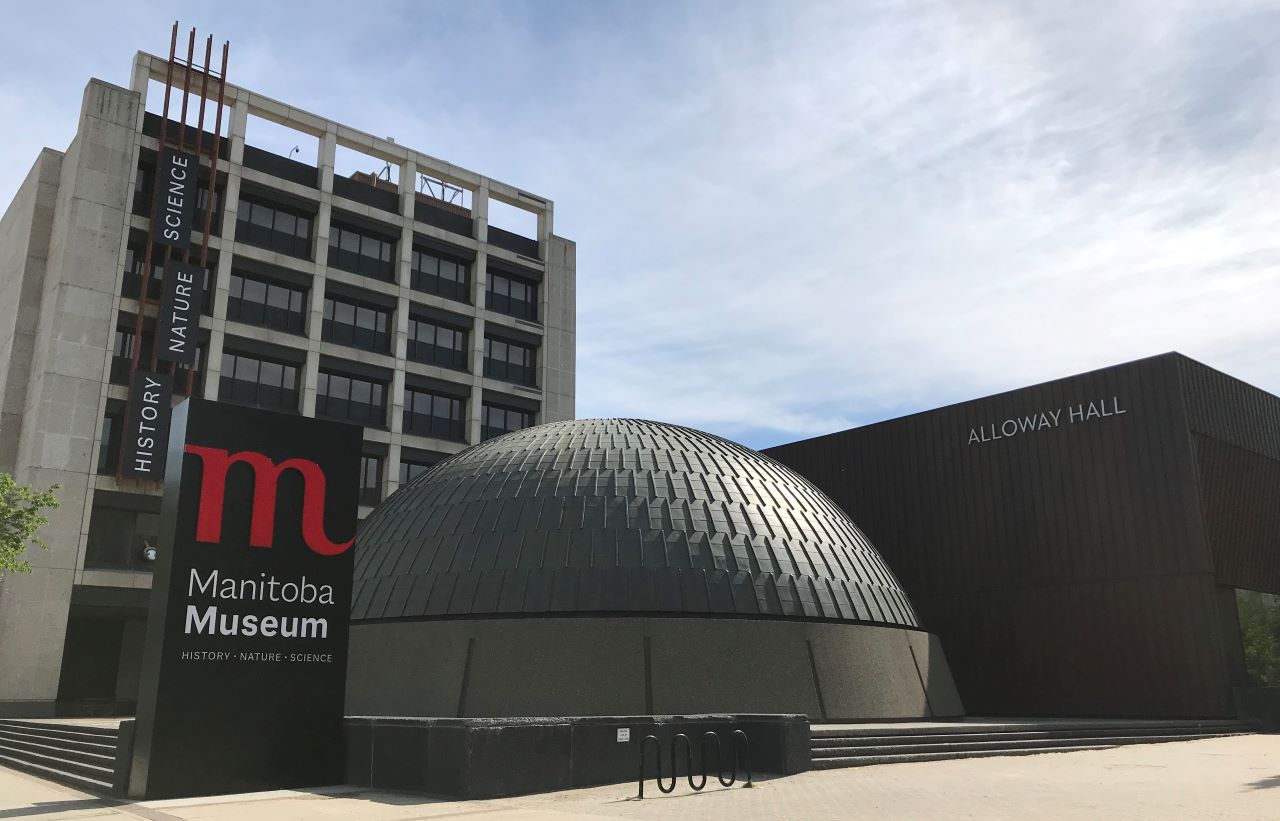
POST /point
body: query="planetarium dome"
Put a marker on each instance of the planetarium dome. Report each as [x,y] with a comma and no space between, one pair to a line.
[622,566]
[618,516]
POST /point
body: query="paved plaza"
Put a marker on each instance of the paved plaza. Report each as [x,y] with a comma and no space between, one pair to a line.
[1212,779]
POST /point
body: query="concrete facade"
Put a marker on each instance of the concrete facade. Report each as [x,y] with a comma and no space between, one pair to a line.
[528,666]
[64,244]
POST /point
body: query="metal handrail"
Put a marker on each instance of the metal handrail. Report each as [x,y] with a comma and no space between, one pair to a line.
[741,744]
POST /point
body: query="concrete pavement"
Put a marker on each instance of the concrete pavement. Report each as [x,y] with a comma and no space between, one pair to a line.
[1225,778]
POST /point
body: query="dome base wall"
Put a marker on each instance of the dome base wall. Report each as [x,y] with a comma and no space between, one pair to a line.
[635,665]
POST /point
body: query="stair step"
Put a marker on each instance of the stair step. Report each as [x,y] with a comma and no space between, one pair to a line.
[90,785]
[906,758]
[98,747]
[105,758]
[960,738]
[57,762]
[822,732]
[71,731]
[975,744]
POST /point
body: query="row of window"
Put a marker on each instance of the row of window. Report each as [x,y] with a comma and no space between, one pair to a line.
[266,304]
[123,347]
[264,383]
[272,305]
[364,252]
[512,361]
[288,230]
[133,269]
[360,252]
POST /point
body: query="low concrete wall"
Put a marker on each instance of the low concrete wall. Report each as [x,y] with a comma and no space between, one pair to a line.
[124,758]
[533,666]
[490,758]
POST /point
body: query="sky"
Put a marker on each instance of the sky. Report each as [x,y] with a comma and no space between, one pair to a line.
[796,217]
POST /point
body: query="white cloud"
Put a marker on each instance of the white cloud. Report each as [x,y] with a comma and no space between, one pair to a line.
[795,217]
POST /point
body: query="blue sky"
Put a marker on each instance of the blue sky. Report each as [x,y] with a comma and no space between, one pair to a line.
[795,217]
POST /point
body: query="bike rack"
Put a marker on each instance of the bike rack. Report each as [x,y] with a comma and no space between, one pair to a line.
[741,745]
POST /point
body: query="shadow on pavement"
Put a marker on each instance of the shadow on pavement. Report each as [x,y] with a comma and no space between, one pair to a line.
[45,807]
[1266,783]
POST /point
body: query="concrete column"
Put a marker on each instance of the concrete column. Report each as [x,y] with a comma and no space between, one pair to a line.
[479,280]
[72,336]
[391,470]
[545,229]
[408,187]
[236,130]
[213,363]
[328,158]
[141,76]
[480,213]
[309,377]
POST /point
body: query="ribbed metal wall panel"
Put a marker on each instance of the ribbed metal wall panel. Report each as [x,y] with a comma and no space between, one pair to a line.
[1065,570]
[1240,495]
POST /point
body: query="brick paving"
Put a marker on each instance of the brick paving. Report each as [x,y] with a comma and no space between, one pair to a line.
[1225,778]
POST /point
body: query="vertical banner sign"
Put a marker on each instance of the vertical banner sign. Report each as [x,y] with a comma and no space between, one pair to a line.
[175,198]
[146,431]
[178,325]
[244,671]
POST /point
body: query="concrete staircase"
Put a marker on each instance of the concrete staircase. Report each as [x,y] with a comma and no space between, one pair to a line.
[80,756]
[852,745]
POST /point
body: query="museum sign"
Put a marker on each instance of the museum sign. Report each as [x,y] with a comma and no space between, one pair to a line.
[244,671]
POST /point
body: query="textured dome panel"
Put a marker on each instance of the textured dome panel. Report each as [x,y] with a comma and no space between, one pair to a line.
[618,516]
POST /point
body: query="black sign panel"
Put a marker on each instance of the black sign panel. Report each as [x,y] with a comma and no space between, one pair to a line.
[175,199]
[244,671]
[146,430]
[178,324]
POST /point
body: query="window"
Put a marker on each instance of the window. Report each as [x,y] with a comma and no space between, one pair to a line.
[433,414]
[118,535]
[512,361]
[202,203]
[275,227]
[496,421]
[351,399]
[180,374]
[370,480]
[512,296]
[122,355]
[361,252]
[360,326]
[443,276]
[267,304]
[263,383]
[142,190]
[143,201]
[437,344]
[109,448]
[410,470]
[131,286]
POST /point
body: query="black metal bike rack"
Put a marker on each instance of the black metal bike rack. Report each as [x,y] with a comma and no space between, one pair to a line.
[741,755]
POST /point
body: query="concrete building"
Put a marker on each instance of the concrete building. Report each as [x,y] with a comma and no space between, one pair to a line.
[337,295]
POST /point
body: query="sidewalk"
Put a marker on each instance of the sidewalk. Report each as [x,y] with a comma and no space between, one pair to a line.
[1227,778]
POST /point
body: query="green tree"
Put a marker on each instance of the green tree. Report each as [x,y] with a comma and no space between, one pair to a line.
[20,518]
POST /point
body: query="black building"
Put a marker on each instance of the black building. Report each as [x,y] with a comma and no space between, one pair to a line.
[1082,546]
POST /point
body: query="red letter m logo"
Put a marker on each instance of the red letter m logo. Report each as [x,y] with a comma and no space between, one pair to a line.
[266,475]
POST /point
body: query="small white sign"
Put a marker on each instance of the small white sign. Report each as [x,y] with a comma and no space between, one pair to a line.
[624,734]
